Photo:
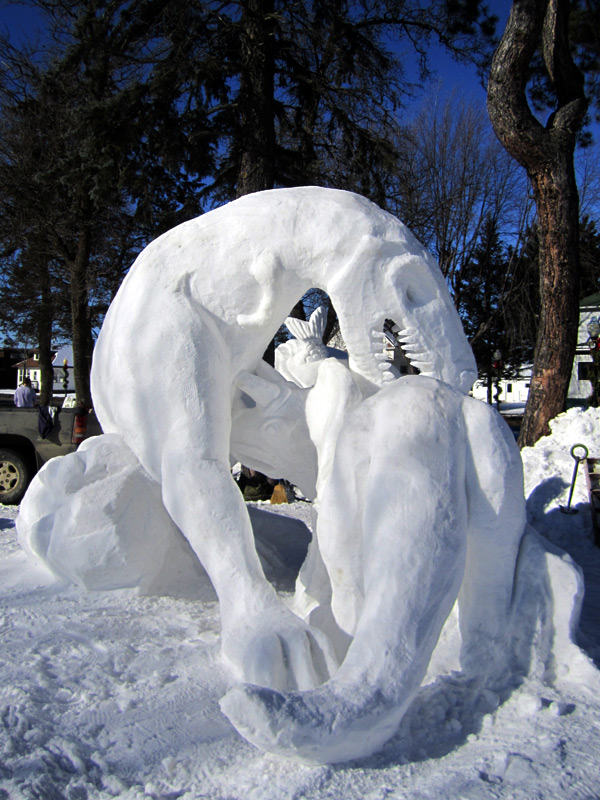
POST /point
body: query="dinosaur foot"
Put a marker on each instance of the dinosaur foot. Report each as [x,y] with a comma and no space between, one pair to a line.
[279,651]
[323,726]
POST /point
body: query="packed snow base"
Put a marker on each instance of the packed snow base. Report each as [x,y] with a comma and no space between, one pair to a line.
[391,589]
[115,694]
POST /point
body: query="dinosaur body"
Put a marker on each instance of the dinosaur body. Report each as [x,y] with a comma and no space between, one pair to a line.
[421,506]
[199,305]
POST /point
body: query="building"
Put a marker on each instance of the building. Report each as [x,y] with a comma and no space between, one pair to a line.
[62,364]
[587,355]
[8,356]
[586,365]
[513,390]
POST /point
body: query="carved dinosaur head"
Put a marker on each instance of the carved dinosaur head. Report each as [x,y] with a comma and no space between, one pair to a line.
[270,430]
[394,280]
[373,268]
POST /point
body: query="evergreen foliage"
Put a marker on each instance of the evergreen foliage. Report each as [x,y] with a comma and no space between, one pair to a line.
[130,116]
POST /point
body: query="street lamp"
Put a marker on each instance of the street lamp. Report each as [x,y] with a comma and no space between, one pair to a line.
[497,356]
[593,329]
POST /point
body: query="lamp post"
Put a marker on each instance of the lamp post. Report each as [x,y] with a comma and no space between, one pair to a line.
[593,342]
[497,364]
[593,329]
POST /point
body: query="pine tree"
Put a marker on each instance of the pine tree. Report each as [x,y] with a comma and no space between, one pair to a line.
[114,166]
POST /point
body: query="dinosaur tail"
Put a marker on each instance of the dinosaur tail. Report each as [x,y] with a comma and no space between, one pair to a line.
[344,719]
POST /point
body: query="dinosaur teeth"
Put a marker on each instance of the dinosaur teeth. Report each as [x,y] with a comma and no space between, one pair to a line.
[408,341]
[423,366]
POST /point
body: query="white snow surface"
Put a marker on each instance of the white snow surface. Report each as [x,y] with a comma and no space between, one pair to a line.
[115,694]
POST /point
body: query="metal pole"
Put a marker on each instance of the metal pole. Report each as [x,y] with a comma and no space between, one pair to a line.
[567,509]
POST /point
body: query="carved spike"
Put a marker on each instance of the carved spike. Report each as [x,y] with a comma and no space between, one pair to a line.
[262,391]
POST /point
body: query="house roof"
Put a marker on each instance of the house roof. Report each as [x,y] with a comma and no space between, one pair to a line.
[64,352]
[31,363]
[591,300]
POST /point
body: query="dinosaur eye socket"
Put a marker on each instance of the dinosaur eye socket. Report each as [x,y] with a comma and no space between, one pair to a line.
[412,281]
[272,428]
[419,291]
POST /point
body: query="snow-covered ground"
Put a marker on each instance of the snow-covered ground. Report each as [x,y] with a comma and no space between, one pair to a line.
[114,694]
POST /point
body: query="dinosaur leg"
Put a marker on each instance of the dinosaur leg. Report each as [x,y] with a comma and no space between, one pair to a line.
[413,545]
[179,427]
[497,520]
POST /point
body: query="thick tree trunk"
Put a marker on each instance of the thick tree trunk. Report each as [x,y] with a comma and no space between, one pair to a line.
[256,98]
[557,204]
[547,155]
[256,106]
[81,321]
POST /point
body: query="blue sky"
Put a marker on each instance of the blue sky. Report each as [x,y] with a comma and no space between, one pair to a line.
[449,75]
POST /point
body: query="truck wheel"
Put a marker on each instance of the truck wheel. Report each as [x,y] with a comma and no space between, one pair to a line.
[15,476]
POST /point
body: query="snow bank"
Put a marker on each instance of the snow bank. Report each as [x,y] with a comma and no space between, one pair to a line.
[549,469]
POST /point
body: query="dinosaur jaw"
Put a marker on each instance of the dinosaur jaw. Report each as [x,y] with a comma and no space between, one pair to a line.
[446,358]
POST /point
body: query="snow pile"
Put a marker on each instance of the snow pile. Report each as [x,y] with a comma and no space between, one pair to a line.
[96,518]
[110,694]
[549,470]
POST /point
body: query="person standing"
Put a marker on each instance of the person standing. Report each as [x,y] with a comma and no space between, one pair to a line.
[25,396]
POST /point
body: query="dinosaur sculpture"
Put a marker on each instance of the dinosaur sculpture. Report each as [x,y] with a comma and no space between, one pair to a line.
[408,524]
[421,528]
[199,306]
[419,487]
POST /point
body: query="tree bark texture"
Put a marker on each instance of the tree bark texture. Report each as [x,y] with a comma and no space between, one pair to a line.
[256,98]
[80,319]
[546,152]
[45,319]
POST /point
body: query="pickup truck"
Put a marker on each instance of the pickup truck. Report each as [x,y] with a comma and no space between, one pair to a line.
[23,450]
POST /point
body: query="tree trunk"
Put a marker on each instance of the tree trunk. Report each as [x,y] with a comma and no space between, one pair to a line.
[256,98]
[45,319]
[547,155]
[256,106]
[557,205]
[80,320]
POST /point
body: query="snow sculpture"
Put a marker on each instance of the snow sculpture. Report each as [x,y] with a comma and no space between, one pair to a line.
[421,525]
[419,487]
[200,305]
[298,359]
